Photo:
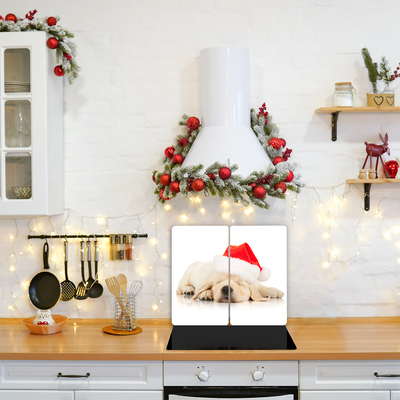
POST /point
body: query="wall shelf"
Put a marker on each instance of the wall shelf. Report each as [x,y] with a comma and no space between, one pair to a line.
[367,187]
[335,111]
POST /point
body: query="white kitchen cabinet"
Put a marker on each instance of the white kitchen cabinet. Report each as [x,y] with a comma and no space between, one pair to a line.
[345,395]
[35,395]
[118,395]
[395,395]
[31,127]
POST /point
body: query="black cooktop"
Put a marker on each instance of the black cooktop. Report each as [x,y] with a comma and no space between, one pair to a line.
[230,337]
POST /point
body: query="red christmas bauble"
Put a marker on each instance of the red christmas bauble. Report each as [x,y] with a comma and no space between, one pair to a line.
[225,173]
[275,143]
[281,185]
[1,18]
[161,195]
[11,17]
[165,179]
[193,123]
[154,179]
[391,168]
[277,160]
[259,192]
[289,177]
[51,21]
[177,159]
[283,142]
[198,185]
[52,43]
[174,187]
[169,151]
[253,185]
[58,70]
[67,56]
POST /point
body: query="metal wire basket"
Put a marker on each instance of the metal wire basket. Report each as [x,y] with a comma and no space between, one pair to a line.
[124,312]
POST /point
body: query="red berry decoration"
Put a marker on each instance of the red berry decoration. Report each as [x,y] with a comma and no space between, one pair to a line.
[281,185]
[51,21]
[169,151]
[174,187]
[211,175]
[177,159]
[198,185]
[259,192]
[289,177]
[277,160]
[193,123]
[275,143]
[67,56]
[11,17]
[165,179]
[225,173]
[52,43]
[164,198]
[58,70]
[183,142]
[283,142]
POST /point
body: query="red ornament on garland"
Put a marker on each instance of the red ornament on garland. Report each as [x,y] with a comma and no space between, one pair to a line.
[281,185]
[283,142]
[193,123]
[275,143]
[154,179]
[164,198]
[289,177]
[1,18]
[58,70]
[211,175]
[391,168]
[198,185]
[259,192]
[169,151]
[51,21]
[11,17]
[52,43]
[67,56]
[177,159]
[174,187]
[224,173]
[253,185]
[277,160]
[165,179]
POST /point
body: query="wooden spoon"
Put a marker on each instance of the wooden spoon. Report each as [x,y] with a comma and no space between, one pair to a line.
[123,284]
[115,289]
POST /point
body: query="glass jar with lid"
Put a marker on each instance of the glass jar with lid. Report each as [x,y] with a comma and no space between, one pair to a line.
[343,95]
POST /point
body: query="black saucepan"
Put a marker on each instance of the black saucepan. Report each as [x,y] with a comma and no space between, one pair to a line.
[45,288]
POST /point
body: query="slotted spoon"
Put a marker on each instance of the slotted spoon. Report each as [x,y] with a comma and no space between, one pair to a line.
[68,288]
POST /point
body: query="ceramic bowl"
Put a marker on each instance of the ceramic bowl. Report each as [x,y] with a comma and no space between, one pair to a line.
[22,192]
[60,321]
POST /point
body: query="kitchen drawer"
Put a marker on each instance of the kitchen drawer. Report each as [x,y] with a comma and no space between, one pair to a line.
[35,395]
[233,373]
[346,395]
[118,395]
[395,395]
[348,375]
[121,375]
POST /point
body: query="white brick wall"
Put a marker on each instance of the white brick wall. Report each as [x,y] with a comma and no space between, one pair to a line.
[139,74]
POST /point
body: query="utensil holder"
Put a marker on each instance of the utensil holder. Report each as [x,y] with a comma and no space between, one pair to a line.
[124,318]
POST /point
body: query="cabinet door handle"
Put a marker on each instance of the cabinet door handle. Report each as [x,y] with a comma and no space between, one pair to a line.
[60,375]
[386,376]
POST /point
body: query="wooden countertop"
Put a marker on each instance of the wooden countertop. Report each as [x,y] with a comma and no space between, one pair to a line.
[315,338]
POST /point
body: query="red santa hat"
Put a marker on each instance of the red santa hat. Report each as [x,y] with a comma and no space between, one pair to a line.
[243,263]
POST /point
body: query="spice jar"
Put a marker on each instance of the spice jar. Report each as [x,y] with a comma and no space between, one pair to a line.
[343,95]
[120,247]
[128,247]
[113,247]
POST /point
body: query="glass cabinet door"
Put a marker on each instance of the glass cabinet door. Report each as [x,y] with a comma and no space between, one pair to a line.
[17,67]
[17,123]
[18,176]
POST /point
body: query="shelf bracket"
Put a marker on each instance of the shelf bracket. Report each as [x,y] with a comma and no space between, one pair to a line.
[367,190]
[335,117]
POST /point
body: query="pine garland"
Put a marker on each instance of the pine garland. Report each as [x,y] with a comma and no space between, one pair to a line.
[237,187]
[65,47]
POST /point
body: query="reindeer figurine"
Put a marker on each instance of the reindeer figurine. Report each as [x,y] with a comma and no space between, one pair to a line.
[376,150]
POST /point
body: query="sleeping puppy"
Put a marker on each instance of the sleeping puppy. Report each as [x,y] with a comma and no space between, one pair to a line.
[204,283]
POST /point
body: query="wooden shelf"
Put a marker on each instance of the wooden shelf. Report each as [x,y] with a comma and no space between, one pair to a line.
[367,187]
[335,111]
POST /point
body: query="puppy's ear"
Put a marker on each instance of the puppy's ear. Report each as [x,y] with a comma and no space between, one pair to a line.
[255,294]
[208,285]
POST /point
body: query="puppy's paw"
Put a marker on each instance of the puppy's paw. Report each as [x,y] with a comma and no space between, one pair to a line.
[206,295]
[276,293]
[185,290]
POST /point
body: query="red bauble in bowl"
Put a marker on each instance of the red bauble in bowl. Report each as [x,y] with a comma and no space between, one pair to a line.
[198,185]
[52,43]
[11,17]
[165,179]
[277,160]
[391,168]
[177,159]
[224,173]
[58,70]
[289,177]
[259,192]
[174,187]
[282,186]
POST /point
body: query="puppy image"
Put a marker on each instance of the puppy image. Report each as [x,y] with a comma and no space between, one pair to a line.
[204,283]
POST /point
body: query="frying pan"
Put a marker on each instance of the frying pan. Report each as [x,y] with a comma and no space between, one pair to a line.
[45,288]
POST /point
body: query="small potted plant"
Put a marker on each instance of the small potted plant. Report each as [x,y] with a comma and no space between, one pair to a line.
[377,73]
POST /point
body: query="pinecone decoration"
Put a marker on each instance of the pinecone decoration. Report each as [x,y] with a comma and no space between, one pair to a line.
[265,180]
[189,184]
[211,176]
[183,142]
[275,143]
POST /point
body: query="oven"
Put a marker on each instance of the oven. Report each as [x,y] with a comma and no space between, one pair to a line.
[200,380]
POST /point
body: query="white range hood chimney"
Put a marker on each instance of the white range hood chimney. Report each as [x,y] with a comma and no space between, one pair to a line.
[226,135]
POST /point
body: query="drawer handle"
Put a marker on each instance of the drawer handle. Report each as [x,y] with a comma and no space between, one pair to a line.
[60,375]
[386,376]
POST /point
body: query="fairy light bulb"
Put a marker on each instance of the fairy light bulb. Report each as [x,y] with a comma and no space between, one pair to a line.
[325,235]
[12,268]
[202,210]
[155,307]
[184,217]
[325,264]
[167,207]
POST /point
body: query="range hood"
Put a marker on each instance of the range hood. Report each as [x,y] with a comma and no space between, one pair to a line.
[226,135]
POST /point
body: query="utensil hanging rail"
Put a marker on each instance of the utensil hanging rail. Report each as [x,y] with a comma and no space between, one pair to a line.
[134,236]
